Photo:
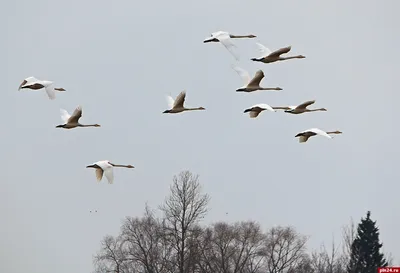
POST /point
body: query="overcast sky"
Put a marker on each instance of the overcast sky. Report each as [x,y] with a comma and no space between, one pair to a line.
[118,59]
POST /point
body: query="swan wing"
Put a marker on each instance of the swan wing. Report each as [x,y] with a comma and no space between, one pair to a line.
[99,174]
[254,114]
[109,174]
[280,51]
[76,115]
[303,139]
[180,100]
[226,41]
[64,115]
[305,104]
[170,101]
[242,73]
[255,81]
[319,132]
[51,93]
[28,81]
[264,51]
[265,107]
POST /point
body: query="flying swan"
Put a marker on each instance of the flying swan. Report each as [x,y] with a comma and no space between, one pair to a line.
[267,56]
[305,135]
[35,84]
[301,108]
[255,110]
[72,121]
[106,167]
[226,40]
[251,84]
[176,106]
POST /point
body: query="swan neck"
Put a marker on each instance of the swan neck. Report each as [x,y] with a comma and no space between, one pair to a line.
[239,36]
[291,57]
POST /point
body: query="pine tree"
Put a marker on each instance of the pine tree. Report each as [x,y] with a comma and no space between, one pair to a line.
[365,256]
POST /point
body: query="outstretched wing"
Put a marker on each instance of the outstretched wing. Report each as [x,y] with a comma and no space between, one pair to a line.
[280,51]
[305,104]
[226,41]
[99,174]
[242,73]
[257,78]
[303,139]
[254,114]
[264,51]
[64,115]
[180,100]
[315,131]
[109,173]
[265,107]
[170,102]
[50,91]
[76,115]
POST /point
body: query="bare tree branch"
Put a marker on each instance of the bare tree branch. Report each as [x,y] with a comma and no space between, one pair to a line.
[284,249]
[185,206]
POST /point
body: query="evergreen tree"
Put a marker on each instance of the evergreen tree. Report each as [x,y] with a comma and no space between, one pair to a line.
[365,256]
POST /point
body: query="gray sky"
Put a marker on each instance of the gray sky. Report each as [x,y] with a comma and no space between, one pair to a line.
[119,60]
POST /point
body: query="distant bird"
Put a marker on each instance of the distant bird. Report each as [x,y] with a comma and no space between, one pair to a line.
[73,121]
[106,167]
[301,108]
[255,110]
[35,84]
[251,84]
[305,135]
[91,211]
[225,39]
[267,56]
[176,106]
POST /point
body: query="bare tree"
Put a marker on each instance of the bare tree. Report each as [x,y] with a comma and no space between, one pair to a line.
[324,261]
[349,233]
[249,243]
[284,249]
[111,257]
[232,248]
[185,206]
[145,245]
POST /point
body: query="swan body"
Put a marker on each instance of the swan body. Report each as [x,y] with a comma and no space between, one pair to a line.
[267,56]
[177,105]
[105,168]
[72,121]
[305,135]
[35,84]
[225,39]
[301,108]
[255,110]
[251,84]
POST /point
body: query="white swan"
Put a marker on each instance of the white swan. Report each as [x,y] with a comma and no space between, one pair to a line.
[251,84]
[225,39]
[305,135]
[301,108]
[177,106]
[35,84]
[267,56]
[106,167]
[72,121]
[255,110]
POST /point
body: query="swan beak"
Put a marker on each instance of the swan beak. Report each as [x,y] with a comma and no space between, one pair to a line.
[208,40]
[90,166]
